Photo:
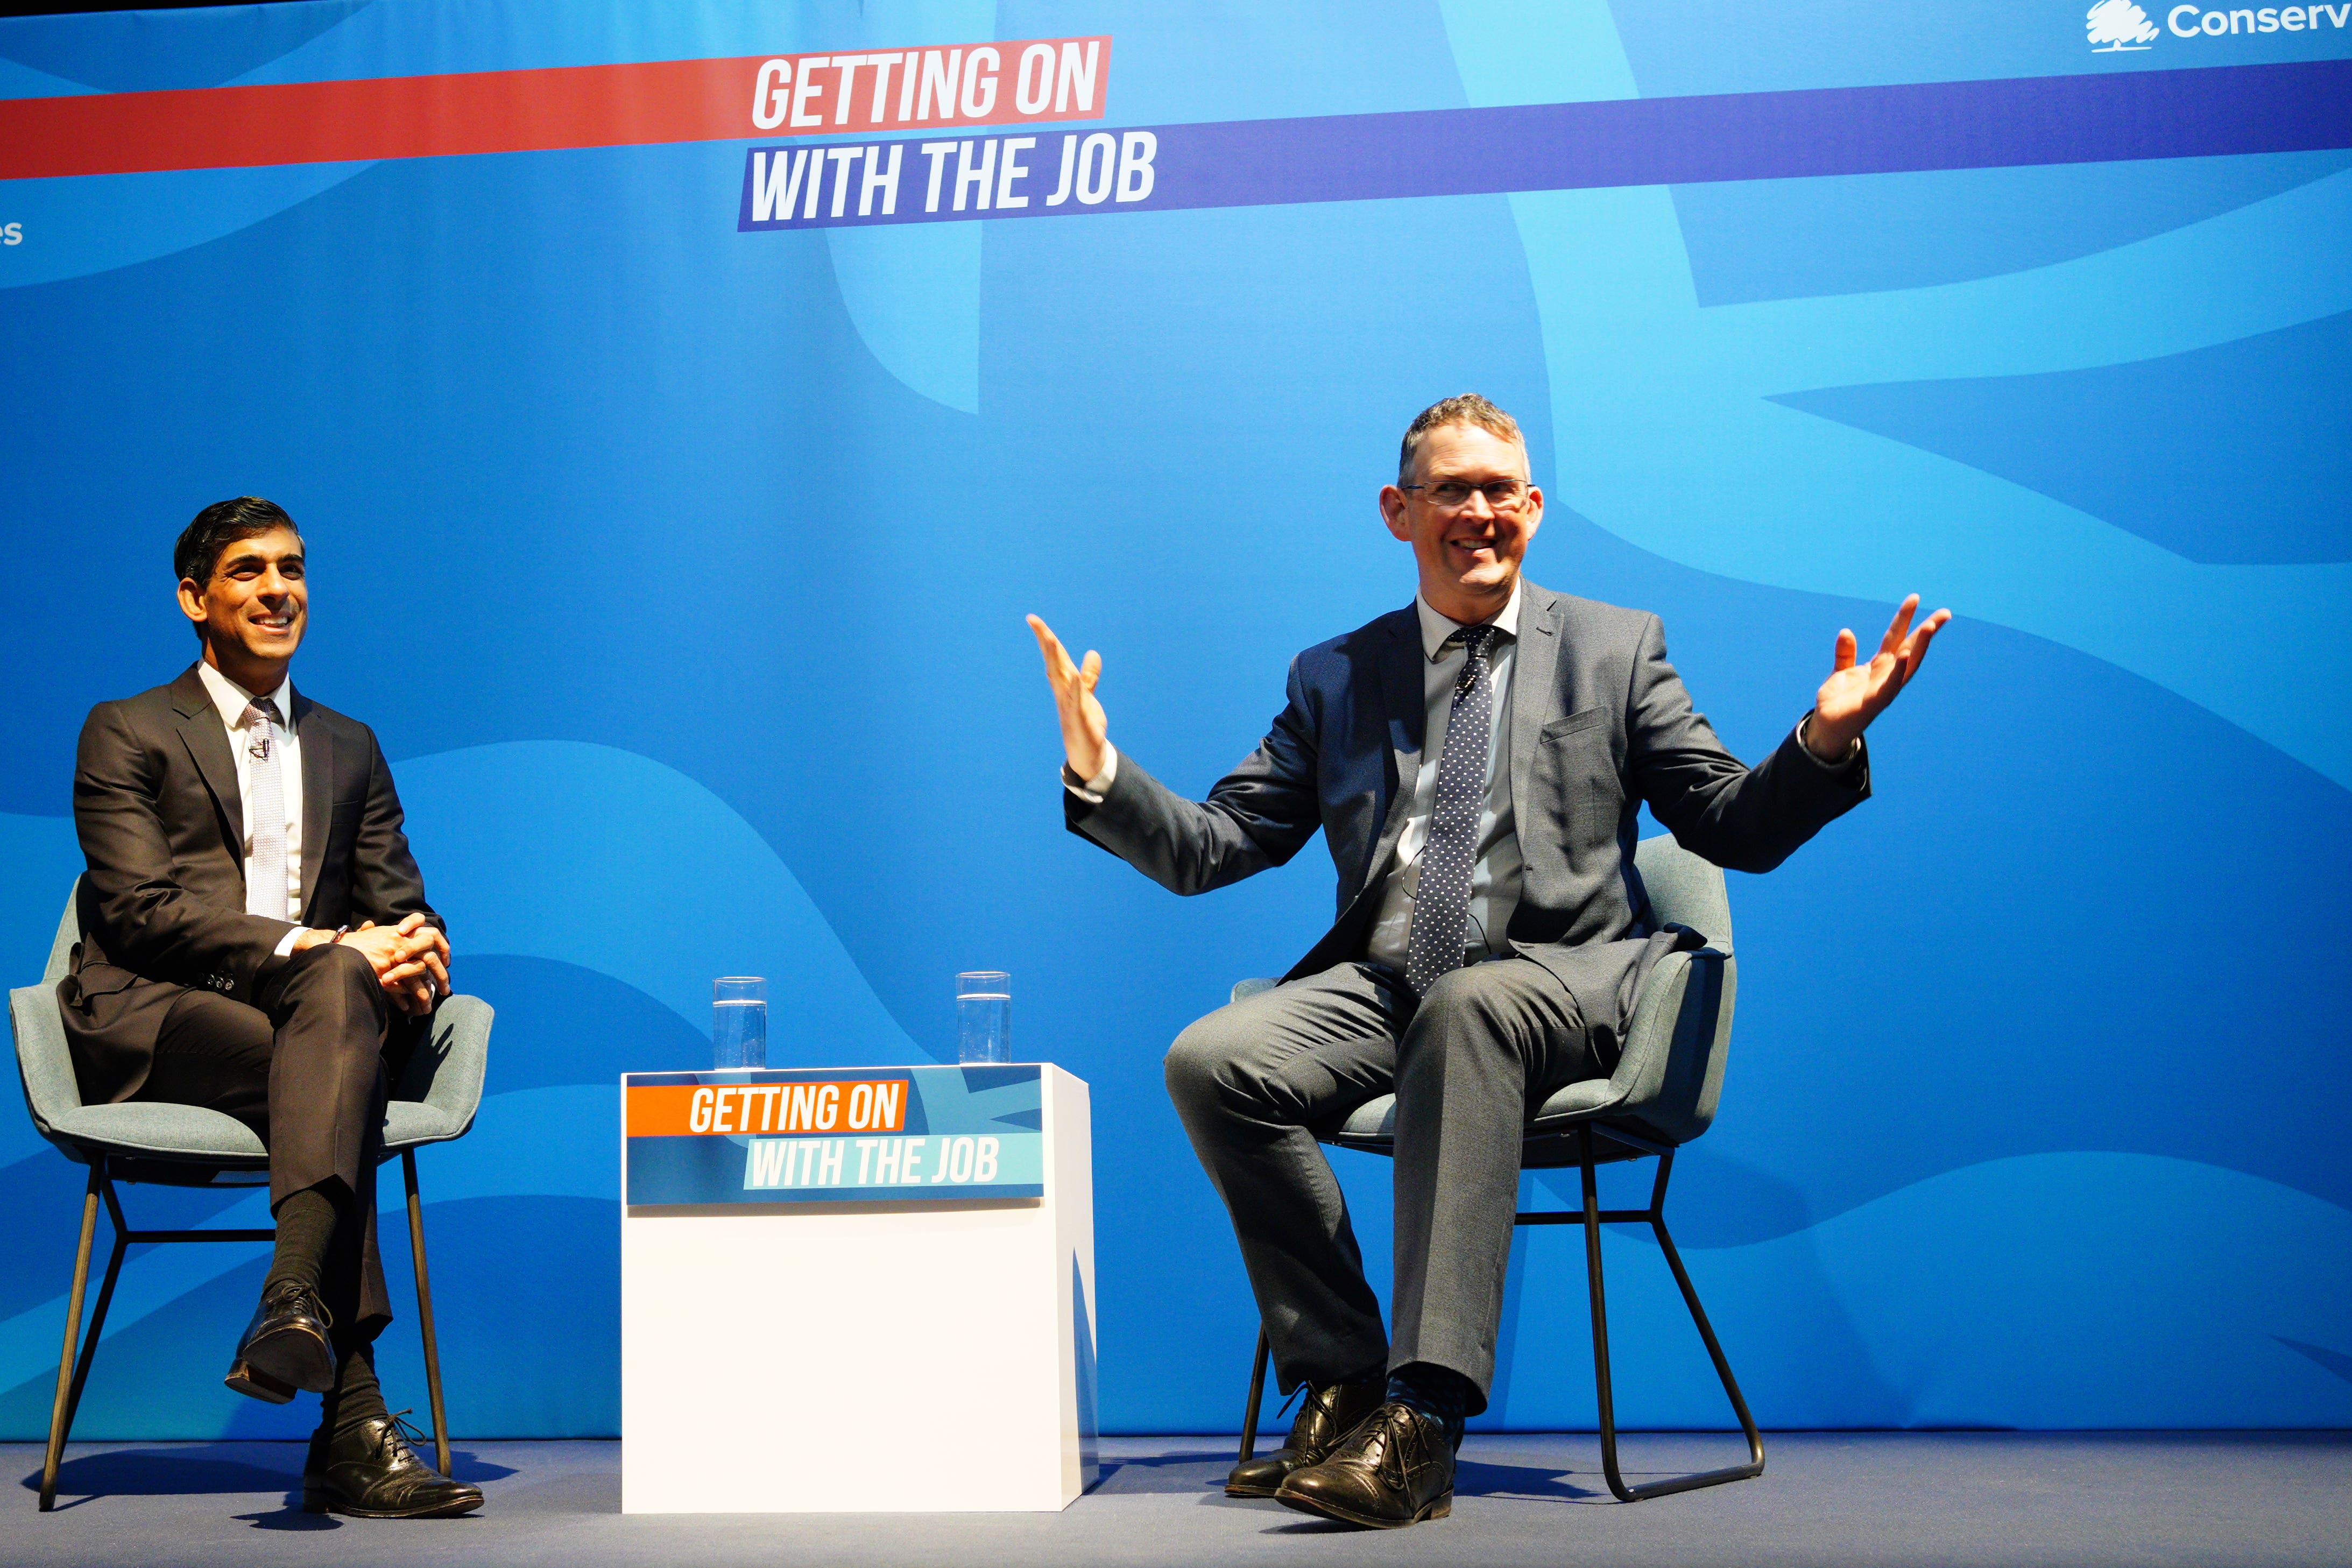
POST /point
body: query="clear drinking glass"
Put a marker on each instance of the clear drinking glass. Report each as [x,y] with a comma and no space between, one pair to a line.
[739,1024]
[984,1016]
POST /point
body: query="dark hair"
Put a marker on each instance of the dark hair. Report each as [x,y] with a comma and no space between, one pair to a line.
[220,525]
[1469,408]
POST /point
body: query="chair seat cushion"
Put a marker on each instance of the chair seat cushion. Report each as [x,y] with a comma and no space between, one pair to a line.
[410,1122]
[164,1131]
[1376,1118]
[158,1131]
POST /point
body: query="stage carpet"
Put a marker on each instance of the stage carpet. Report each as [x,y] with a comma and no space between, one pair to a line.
[2134,1500]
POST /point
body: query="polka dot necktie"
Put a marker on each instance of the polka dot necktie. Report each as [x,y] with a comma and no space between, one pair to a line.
[1441,907]
[265,882]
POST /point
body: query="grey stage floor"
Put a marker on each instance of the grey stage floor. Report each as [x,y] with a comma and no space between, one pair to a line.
[2239,1499]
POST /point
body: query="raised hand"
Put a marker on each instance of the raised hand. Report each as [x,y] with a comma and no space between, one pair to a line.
[1856,693]
[1085,730]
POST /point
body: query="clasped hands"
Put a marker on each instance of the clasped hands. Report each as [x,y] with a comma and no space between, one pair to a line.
[411,960]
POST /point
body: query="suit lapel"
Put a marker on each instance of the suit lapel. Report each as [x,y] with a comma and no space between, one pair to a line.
[1534,690]
[207,742]
[318,793]
[1405,701]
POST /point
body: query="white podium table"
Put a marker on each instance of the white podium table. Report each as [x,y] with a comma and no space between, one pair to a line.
[865,1289]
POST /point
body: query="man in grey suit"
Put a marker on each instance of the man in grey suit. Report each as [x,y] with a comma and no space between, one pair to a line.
[1476,762]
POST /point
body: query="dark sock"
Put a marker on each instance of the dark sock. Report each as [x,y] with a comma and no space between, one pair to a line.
[1439,1393]
[1376,1372]
[306,1224]
[357,1396]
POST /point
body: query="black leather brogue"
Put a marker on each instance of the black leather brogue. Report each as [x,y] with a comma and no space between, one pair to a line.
[1395,1468]
[1328,1414]
[369,1471]
[284,1349]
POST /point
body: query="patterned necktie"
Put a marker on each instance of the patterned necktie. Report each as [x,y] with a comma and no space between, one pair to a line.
[1441,907]
[265,808]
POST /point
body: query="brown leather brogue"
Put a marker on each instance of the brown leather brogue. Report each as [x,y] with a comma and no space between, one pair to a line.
[1327,1415]
[1395,1468]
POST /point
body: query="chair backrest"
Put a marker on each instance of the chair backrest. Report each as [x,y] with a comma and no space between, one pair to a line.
[1685,890]
[69,934]
[44,1060]
[1670,1079]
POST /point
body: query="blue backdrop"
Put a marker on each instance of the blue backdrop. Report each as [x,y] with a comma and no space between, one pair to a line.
[680,569]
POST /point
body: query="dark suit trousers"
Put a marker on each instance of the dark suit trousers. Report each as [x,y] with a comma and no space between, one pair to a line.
[304,1068]
[1255,1080]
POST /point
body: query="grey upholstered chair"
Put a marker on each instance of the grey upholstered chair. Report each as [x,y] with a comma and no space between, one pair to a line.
[1662,1096]
[185,1145]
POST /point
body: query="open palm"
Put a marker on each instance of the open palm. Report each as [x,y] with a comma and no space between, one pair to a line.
[1856,693]
[1085,730]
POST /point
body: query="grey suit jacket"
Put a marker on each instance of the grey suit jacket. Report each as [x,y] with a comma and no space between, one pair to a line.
[1600,723]
[162,831]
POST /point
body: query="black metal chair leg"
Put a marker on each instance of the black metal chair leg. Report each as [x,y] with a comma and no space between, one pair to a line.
[1604,1396]
[1657,1220]
[1755,1465]
[1256,1392]
[57,1419]
[425,1312]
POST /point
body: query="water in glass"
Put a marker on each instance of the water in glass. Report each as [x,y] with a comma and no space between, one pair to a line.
[739,1024]
[984,1017]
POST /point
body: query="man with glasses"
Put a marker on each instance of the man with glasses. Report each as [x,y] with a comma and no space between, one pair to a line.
[1476,762]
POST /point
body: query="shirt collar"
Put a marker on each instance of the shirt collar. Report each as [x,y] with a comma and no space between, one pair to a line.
[233,699]
[1435,628]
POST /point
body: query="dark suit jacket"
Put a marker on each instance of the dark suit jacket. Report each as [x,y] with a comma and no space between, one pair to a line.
[1600,723]
[162,902]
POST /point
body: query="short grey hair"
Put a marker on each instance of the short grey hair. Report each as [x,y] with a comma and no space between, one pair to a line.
[1468,408]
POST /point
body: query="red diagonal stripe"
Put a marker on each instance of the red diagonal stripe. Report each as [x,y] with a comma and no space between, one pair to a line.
[411,116]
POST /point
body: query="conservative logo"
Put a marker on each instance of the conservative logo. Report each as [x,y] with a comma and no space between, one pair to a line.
[2115,26]
[2118,24]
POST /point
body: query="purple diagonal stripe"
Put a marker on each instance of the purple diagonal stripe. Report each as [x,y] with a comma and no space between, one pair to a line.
[2296,107]
[1766,135]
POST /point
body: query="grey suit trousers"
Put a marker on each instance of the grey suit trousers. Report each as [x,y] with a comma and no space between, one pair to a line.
[1255,1081]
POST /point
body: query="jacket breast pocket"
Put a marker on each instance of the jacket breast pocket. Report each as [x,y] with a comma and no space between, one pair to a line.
[1577,770]
[1560,728]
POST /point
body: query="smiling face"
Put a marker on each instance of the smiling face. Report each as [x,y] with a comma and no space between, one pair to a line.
[252,612]
[1468,554]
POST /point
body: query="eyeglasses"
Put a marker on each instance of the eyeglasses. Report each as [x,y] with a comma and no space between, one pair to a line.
[1453,494]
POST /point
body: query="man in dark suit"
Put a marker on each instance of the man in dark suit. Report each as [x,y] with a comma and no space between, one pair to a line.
[1476,763]
[255,939]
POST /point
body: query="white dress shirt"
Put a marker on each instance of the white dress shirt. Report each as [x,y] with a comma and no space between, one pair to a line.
[1495,875]
[232,701]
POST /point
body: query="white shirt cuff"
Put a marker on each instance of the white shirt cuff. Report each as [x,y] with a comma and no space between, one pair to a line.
[286,942]
[1092,791]
[1853,748]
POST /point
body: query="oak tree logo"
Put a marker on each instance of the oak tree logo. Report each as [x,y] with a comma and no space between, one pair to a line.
[2118,24]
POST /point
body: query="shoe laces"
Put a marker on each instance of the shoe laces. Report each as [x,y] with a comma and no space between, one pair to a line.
[408,1431]
[296,1288]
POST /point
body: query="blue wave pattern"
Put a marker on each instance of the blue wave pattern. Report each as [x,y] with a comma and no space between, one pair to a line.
[694,633]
